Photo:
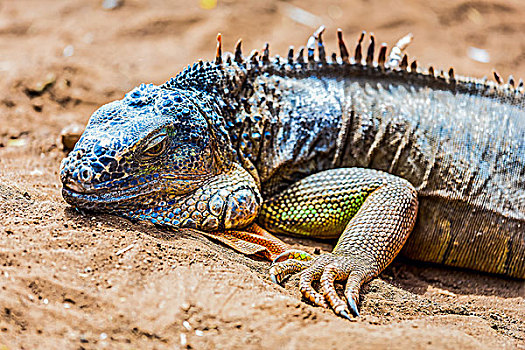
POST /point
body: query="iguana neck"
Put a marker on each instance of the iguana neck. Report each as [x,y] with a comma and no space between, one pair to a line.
[238,104]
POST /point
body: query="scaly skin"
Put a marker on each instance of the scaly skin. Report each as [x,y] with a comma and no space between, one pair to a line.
[230,143]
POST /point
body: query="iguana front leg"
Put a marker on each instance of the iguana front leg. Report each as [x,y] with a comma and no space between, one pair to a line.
[372,211]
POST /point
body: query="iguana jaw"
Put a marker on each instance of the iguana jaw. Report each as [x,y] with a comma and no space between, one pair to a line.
[225,201]
[230,200]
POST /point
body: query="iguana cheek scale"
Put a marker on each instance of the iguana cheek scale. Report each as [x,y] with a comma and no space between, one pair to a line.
[349,147]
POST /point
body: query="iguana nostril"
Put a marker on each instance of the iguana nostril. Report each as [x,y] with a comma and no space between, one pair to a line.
[64,164]
[64,169]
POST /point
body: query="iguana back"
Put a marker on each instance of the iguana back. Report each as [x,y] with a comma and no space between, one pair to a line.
[464,153]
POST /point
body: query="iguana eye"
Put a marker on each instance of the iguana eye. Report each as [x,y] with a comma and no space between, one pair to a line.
[155,147]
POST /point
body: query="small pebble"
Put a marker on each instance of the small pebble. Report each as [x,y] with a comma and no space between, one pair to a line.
[68,51]
[70,135]
[478,55]
[16,142]
[111,4]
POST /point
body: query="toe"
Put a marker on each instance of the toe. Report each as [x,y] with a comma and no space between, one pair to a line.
[305,285]
[281,270]
[332,272]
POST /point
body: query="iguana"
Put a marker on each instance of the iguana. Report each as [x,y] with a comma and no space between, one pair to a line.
[310,146]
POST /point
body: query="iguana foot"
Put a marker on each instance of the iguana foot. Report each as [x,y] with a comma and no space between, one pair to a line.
[253,241]
[279,271]
[326,268]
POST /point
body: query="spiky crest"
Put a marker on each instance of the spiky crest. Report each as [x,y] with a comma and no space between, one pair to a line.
[266,53]
[218,53]
[290,55]
[382,56]
[342,46]
[358,55]
[238,52]
[396,65]
[370,52]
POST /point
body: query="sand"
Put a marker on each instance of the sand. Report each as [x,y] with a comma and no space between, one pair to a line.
[75,281]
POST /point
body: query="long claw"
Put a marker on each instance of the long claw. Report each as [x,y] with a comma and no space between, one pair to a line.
[345,315]
[352,305]
[353,285]
[274,279]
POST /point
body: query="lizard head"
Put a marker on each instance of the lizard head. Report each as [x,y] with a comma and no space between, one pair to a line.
[160,155]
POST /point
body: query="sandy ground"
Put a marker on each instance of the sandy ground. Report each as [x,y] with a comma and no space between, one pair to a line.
[72,281]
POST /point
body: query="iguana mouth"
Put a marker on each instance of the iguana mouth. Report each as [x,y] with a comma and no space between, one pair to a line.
[79,196]
[104,194]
